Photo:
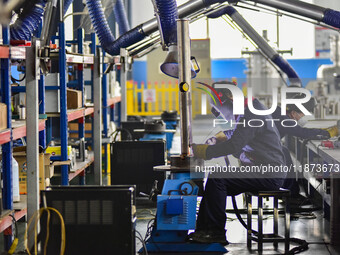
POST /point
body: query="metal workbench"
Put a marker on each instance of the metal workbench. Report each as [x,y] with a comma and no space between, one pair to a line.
[319,156]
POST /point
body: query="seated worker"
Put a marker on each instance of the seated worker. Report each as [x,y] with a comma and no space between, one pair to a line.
[296,114]
[259,146]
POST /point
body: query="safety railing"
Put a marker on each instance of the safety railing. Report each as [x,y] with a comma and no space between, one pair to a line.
[152,99]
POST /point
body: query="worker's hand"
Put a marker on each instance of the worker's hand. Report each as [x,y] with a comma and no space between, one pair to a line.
[218,138]
[333,131]
[200,150]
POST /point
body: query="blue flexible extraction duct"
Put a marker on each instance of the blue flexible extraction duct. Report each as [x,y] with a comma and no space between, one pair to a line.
[286,68]
[131,37]
[104,33]
[100,25]
[121,17]
[168,14]
[332,18]
[24,27]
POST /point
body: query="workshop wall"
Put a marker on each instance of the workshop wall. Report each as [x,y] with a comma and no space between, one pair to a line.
[228,68]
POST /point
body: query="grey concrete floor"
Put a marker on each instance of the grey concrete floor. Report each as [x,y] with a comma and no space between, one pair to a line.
[314,231]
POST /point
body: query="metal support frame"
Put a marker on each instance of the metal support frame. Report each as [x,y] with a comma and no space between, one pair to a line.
[184,55]
[81,87]
[42,134]
[32,129]
[7,148]
[97,118]
[80,80]
[63,98]
[93,51]
[123,78]
[105,114]
[273,237]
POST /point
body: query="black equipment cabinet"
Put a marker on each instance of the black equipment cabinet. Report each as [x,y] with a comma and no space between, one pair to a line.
[98,219]
[132,163]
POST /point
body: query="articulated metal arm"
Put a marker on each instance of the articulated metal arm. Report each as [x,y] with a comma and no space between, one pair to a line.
[312,11]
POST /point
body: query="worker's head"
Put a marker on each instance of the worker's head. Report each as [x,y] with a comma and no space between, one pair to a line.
[295,113]
[226,109]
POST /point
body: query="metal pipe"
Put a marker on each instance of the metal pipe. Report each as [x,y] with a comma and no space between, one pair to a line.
[63,97]
[184,66]
[47,22]
[97,117]
[298,7]
[32,128]
[123,79]
[251,32]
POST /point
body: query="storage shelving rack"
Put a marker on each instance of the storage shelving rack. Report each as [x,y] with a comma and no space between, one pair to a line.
[102,105]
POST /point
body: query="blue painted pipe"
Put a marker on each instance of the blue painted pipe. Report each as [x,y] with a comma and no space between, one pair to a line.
[121,17]
[24,27]
[168,14]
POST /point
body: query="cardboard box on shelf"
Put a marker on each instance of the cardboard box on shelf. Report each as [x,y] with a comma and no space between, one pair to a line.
[48,167]
[74,127]
[3,116]
[74,99]
[19,153]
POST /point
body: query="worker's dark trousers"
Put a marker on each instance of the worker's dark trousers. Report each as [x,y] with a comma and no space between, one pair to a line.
[290,182]
[212,214]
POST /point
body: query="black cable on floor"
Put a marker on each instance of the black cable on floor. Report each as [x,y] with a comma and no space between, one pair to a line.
[303,245]
[140,238]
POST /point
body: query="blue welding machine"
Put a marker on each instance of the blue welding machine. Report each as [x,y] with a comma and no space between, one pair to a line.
[176,211]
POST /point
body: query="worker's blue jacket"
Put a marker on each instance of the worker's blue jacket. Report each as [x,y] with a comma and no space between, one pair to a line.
[298,131]
[258,145]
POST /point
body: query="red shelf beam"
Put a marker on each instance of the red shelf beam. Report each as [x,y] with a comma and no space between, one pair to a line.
[5,136]
[113,100]
[20,132]
[4,51]
[7,221]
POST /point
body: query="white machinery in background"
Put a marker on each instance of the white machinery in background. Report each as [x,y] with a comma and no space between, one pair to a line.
[326,88]
[262,75]
[330,74]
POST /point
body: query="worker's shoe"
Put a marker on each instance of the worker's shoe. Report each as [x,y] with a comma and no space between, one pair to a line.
[207,236]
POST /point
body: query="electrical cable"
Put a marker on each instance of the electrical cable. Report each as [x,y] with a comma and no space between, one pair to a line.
[120,130]
[16,238]
[47,232]
[140,237]
[14,80]
[16,225]
[37,215]
[303,245]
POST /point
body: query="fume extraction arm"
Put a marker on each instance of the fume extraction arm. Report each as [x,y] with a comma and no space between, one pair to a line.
[263,45]
[133,36]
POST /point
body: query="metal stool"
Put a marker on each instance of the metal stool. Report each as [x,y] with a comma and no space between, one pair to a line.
[259,237]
